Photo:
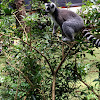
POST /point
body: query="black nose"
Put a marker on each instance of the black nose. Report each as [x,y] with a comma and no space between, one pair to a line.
[48,8]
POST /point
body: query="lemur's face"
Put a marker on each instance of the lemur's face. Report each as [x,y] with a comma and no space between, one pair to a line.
[50,7]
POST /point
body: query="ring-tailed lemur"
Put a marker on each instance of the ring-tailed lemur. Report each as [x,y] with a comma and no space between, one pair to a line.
[69,22]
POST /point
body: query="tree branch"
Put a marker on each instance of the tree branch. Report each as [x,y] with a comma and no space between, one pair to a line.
[63,60]
[22,74]
[27,79]
[15,98]
[41,55]
[89,87]
[22,27]
[63,54]
[34,49]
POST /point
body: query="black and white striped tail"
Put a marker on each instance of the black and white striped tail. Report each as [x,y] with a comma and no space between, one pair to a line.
[91,38]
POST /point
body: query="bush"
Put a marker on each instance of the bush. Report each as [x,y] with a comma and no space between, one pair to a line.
[33,57]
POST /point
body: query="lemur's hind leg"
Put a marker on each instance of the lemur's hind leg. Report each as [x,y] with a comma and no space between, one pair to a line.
[70,29]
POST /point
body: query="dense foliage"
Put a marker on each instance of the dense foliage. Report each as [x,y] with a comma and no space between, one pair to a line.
[28,75]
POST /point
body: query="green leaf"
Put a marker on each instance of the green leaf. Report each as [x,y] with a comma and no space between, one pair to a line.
[8,11]
[96,80]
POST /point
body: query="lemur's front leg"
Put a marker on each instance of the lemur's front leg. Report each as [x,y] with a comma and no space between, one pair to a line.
[54,30]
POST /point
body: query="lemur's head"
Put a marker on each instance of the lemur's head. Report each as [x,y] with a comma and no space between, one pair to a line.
[50,7]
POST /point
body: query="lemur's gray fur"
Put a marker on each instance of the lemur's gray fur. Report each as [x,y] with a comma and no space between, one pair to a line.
[69,22]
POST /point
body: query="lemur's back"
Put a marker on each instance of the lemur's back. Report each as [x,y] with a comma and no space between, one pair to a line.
[66,15]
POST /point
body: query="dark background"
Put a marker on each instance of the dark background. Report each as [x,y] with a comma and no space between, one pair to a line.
[62,3]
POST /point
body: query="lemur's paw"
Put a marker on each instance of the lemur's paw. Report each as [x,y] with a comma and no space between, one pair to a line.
[64,39]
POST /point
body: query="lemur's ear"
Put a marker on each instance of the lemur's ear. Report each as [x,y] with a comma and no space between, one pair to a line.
[53,5]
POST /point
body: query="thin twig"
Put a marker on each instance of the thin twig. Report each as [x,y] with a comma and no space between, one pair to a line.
[19,71]
[22,27]
[22,74]
[61,42]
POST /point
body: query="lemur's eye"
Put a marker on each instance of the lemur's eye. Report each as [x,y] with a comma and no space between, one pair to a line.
[48,8]
[52,6]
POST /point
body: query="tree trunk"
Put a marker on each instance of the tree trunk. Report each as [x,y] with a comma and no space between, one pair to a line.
[53,86]
[21,11]
[99,97]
